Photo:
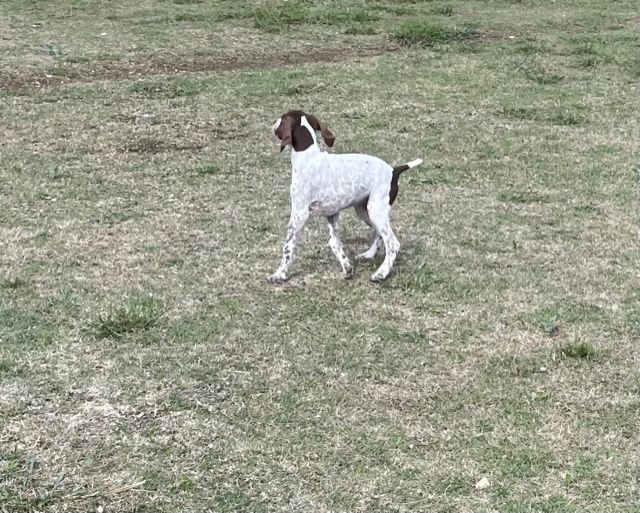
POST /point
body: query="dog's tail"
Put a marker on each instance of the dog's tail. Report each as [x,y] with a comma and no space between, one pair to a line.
[397,171]
[402,168]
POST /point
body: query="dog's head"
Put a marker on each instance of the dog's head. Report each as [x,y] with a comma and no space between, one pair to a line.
[297,128]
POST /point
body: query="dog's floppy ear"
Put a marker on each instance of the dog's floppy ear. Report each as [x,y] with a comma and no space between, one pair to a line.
[284,132]
[326,134]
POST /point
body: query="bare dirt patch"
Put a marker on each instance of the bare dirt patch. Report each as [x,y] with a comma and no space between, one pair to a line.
[175,65]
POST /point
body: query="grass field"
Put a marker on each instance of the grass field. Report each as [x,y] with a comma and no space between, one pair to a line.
[147,365]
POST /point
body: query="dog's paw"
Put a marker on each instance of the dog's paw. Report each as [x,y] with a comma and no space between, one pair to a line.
[277,277]
[347,272]
[377,277]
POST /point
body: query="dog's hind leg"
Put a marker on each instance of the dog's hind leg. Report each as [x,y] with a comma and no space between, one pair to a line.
[378,208]
[362,213]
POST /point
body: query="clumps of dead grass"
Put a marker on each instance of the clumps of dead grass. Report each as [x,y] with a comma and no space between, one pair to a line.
[167,88]
[153,145]
[562,116]
[535,71]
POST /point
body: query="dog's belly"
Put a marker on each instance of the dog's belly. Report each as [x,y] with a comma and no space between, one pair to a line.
[328,208]
[339,198]
[324,208]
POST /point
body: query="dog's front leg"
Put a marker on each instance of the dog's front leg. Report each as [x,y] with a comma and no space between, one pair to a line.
[338,248]
[296,223]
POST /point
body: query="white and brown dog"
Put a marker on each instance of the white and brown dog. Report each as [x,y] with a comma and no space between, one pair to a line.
[324,184]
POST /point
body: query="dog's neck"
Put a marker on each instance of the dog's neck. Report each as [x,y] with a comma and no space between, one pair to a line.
[304,144]
[299,158]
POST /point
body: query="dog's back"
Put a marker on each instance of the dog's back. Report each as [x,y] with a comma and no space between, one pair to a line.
[342,180]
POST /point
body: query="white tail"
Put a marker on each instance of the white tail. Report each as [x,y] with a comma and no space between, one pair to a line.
[415,163]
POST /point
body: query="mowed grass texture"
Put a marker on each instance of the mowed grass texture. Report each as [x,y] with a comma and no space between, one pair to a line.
[146,364]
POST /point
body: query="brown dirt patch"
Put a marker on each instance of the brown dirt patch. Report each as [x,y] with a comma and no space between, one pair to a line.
[175,65]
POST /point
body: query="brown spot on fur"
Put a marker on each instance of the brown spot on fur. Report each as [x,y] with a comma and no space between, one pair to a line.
[393,192]
[394,189]
[302,139]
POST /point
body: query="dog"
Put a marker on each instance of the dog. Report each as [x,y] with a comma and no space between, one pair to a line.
[324,184]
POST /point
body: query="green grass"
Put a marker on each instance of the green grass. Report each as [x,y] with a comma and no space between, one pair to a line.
[537,72]
[208,169]
[523,197]
[359,29]
[137,312]
[274,19]
[423,33]
[147,365]
[11,283]
[579,350]
[443,10]
[279,17]
[554,115]
[173,89]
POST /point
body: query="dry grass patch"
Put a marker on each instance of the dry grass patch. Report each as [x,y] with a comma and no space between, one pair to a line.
[145,363]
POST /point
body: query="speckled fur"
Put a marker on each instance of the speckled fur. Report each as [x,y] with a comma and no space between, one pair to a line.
[324,184]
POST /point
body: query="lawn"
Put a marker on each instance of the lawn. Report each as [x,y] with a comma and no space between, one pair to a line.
[147,365]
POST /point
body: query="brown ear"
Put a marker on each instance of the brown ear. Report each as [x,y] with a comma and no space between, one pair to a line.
[326,134]
[284,132]
[286,140]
